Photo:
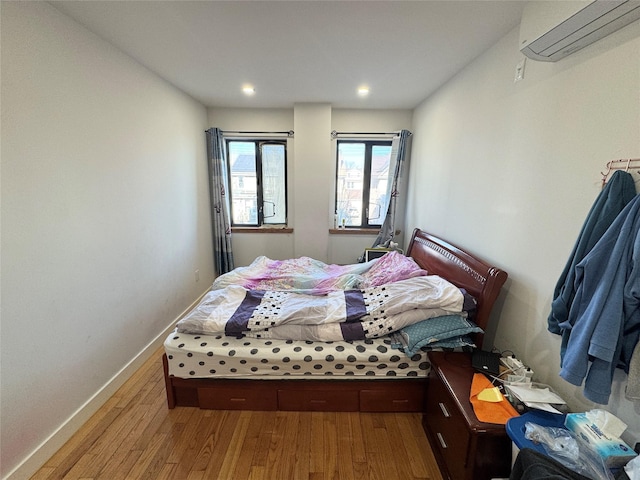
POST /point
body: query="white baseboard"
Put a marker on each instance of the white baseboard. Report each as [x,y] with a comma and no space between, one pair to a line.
[30,465]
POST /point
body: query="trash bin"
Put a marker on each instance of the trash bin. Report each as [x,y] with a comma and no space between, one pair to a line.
[516,429]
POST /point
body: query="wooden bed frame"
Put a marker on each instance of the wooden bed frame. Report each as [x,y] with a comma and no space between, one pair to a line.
[433,254]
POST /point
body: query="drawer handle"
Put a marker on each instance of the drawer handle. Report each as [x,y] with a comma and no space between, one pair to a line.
[445,412]
[318,402]
[237,399]
[441,440]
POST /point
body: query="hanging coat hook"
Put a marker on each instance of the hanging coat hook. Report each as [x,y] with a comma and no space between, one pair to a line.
[606,174]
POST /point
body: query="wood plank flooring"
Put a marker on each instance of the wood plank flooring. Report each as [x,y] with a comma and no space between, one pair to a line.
[135,436]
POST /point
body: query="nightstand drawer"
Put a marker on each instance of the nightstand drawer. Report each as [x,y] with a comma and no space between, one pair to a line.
[465,448]
[448,428]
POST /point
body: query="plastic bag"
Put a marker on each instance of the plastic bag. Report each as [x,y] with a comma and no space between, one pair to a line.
[632,469]
[563,446]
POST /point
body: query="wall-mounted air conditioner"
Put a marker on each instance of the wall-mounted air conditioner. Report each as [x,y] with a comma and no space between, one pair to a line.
[551,30]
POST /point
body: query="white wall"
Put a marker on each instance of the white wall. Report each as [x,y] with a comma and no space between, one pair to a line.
[311,175]
[510,170]
[105,218]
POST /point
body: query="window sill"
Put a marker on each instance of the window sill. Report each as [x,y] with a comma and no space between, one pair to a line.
[353,231]
[261,230]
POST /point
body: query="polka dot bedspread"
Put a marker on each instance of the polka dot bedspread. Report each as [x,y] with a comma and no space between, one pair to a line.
[208,356]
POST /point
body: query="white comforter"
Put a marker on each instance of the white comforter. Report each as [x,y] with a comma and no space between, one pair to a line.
[339,315]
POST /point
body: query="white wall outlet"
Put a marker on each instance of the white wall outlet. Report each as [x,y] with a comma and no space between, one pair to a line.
[197,275]
[520,70]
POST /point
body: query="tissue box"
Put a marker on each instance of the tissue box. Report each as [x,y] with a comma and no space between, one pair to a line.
[613,451]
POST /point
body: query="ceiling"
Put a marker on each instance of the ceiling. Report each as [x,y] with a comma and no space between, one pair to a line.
[301,51]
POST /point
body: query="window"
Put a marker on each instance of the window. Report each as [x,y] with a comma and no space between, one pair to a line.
[258,182]
[362,177]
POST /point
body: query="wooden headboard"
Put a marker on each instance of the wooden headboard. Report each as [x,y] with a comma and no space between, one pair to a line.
[464,270]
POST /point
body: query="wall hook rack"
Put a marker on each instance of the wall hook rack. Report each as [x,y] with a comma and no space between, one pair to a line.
[626,164]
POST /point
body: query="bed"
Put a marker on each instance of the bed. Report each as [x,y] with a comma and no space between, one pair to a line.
[231,372]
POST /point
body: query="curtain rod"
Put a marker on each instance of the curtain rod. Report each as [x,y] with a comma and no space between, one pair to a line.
[335,134]
[288,133]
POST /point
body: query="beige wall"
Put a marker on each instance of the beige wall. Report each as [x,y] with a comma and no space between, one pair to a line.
[510,170]
[105,218]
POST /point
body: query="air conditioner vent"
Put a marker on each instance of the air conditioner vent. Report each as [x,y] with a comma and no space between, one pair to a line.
[550,31]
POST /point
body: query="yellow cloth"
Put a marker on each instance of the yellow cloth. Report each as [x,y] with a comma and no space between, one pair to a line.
[489,412]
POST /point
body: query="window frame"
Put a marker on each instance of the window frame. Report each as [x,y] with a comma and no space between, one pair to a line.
[258,144]
[366,187]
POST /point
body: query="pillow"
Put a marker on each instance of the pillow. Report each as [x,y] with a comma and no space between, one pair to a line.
[450,343]
[434,330]
[463,343]
[391,267]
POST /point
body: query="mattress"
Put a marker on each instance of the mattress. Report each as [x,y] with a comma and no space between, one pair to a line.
[204,356]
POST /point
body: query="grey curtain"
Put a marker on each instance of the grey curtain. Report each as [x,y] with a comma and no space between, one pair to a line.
[220,206]
[399,147]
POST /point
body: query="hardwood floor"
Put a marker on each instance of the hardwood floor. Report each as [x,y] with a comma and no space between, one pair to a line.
[135,436]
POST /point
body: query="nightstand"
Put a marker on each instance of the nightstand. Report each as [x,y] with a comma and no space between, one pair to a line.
[464,447]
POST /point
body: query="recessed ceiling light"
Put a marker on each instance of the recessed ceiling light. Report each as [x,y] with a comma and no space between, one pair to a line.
[363,91]
[248,90]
